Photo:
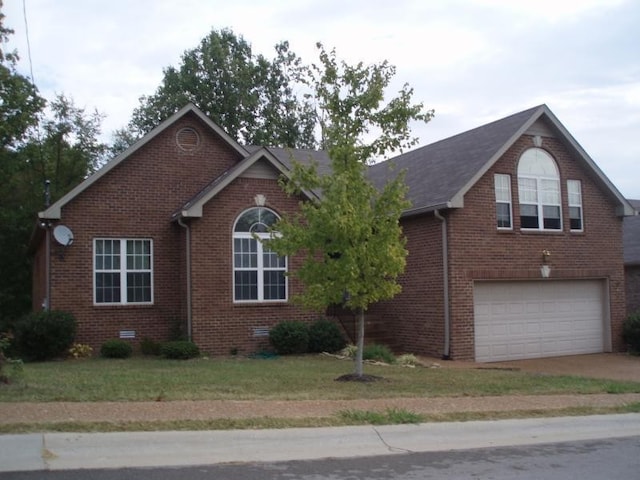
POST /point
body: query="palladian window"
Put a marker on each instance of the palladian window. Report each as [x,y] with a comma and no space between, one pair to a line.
[259,274]
[539,191]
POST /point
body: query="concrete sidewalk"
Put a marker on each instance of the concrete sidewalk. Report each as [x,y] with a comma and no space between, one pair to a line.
[65,451]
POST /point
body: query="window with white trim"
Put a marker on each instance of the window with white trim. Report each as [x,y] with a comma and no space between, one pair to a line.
[539,191]
[502,184]
[574,190]
[123,271]
[259,274]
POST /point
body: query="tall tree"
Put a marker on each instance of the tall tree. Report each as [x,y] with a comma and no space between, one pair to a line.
[251,98]
[351,238]
[20,106]
[59,144]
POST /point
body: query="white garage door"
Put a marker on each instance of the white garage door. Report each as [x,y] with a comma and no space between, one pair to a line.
[515,320]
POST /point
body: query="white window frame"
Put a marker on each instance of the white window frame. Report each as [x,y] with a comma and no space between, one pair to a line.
[259,238]
[574,196]
[502,188]
[536,186]
[122,270]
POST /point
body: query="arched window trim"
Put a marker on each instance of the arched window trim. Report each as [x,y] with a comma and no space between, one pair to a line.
[259,275]
[539,191]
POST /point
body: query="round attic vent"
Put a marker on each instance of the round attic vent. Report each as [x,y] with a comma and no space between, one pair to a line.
[188,139]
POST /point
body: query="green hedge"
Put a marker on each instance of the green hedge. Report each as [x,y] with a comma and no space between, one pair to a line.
[116,348]
[45,335]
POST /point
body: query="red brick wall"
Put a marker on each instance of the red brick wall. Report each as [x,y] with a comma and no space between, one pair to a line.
[416,315]
[479,251]
[219,324]
[136,200]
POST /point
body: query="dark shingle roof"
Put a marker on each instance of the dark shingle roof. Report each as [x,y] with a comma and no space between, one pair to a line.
[436,173]
[631,237]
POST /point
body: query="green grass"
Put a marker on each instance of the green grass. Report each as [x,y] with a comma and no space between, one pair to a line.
[284,378]
[346,418]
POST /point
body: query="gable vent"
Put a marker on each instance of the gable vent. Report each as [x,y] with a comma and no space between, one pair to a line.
[188,139]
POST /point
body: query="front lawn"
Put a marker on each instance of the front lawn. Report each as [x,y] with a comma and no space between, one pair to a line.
[284,378]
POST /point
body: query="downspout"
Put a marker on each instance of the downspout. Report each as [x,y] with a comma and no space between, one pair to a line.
[445,278]
[188,260]
[46,225]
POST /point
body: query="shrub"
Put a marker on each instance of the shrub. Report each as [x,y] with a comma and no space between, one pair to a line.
[116,348]
[79,350]
[325,336]
[290,337]
[349,351]
[45,335]
[149,347]
[378,353]
[407,360]
[179,350]
[631,331]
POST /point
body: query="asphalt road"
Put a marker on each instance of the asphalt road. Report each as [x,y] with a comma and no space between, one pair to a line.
[615,458]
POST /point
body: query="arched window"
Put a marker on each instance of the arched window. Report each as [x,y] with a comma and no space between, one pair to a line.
[539,191]
[258,273]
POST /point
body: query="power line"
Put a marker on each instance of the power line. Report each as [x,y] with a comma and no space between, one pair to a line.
[26,29]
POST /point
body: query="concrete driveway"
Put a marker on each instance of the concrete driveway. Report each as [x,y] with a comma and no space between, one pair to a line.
[614,366]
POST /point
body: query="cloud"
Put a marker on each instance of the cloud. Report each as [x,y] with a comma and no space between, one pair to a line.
[474,61]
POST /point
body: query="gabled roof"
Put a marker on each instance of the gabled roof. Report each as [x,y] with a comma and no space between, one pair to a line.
[279,158]
[631,237]
[440,174]
[54,212]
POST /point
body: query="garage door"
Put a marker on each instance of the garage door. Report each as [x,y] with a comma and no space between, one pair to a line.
[515,320]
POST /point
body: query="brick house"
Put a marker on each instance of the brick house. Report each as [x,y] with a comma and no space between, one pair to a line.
[631,237]
[162,236]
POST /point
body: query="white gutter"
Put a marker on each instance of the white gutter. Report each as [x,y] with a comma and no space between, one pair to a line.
[445,268]
[188,260]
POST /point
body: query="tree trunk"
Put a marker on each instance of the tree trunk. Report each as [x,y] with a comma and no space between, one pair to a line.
[358,361]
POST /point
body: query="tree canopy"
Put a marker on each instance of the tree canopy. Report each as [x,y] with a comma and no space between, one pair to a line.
[351,237]
[252,98]
[59,143]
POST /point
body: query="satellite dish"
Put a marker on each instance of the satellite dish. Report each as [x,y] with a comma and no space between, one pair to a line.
[63,235]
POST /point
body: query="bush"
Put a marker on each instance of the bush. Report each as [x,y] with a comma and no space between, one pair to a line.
[179,350]
[149,347]
[290,338]
[80,350]
[325,336]
[116,348]
[378,353]
[45,335]
[631,331]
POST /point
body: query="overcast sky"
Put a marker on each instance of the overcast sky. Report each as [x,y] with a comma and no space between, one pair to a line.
[473,61]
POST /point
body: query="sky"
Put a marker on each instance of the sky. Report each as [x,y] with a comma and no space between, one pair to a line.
[472,61]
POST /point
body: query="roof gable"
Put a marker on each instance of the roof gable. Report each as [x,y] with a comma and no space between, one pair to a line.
[440,174]
[54,212]
[279,159]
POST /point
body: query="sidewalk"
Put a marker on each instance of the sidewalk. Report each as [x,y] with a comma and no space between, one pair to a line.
[64,451]
[55,412]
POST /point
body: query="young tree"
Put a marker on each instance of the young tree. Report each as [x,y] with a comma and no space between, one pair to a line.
[250,97]
[351,238]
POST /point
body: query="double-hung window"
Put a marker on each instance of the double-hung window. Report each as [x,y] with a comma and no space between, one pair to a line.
[502,184]
[259,274]
[123,271]
[539,191]
[574,189]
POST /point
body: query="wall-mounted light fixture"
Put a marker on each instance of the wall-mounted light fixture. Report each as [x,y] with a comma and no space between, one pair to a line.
[545,268]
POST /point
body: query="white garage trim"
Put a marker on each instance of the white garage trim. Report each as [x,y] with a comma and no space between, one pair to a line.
[543,318]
